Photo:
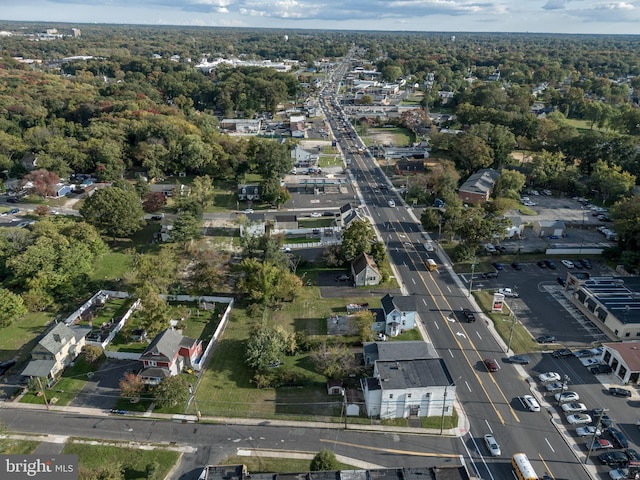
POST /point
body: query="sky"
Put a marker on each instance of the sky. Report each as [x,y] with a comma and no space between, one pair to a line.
[545,16]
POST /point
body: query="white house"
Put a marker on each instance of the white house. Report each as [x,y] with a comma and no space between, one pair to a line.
[303,158]
[397,315]
[365,271]
[409,388]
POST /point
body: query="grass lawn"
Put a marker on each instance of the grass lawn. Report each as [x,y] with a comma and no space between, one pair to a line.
[9,446]
[111,266]
[226,387]
[330,160]
[276,465]
[400,136]
[72,381]
[19,338]
[133,460]
[315,222]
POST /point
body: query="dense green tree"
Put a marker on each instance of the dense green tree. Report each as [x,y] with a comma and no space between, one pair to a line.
[509,184]
[172,391]
[186,227]
[265,347]
[11,307]
[202,189]
[357,238]
[323,461]
[611,182]
[113,211]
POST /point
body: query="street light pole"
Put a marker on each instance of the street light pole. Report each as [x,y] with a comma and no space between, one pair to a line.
[563,388]
[473,271]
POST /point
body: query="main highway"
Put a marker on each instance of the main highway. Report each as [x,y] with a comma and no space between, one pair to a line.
[490,400]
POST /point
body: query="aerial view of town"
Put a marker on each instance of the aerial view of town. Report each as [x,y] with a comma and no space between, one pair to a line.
[236,253]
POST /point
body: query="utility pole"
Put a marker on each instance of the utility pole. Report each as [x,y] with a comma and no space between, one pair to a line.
[473,271]
[513,320]
[595,433]
[44,395]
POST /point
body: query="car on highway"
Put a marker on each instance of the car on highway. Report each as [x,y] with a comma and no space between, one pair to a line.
[578,419]
[391,203]
[574,407]
[468,315]
[554,387]
[546,339]
[497,266]
[519,359]
[562,352]
[492,445]
[508,292]
[599,444]
[549,377]
[530,403]
[566,397]
[588,431]
[619,392]
[567,263]
[491,365]
[619,473]
[614,459]
[619,440]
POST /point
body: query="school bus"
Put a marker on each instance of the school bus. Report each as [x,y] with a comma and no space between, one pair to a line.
[431,265]
[522,467]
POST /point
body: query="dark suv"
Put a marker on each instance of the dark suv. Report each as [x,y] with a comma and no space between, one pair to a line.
[469,315]
[619,440]
[619,392]
[614,459]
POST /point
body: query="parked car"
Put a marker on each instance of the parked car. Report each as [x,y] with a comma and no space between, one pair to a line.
[619,392]
[13,211]
[546,339]
[561,281]
[588,431]
[619,473]
[550,264]
[566,397]
[614,459]
[589,362]
[554,387]
[490,275]
[584,353]
[316,214]
[605,420]
[578,419]
[12,200]
[516,266]
[549,377]
[574,407]
[599,444]
[5,366]
[600,369]
[491,365]
[519,359]
[497,266]
[578,264]
[469,315]
[541,264]
[586,262]
[508,292]
[343,278]
[618,437]
[567,263]
[562,352]
[492,445]
[633,456]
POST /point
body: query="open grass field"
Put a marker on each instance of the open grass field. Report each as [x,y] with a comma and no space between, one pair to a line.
[399,137]
[134,461]
[19,338]
[111,266]
[226,387]
[9,446]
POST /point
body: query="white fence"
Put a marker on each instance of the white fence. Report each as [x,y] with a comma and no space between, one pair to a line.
[122,355]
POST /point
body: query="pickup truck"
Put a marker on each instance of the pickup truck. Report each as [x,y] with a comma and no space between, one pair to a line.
[507,292]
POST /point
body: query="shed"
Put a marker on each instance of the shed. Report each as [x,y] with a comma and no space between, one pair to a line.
[549,228]
[334,387]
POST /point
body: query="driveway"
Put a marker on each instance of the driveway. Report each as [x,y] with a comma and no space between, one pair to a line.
[103,390]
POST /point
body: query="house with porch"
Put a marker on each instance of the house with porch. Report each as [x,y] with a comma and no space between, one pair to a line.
[54,351]
[167,355]
[397,314]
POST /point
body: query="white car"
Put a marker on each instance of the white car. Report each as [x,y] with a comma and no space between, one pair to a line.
[566,397]
[507,292]
[619,473]
[574,407]
[554,387]
[549,377]
[578,418]
[248,210]
[530,403]
[529,204]
[589,362]
[588,431]
[567,263]
[492,445]
[316,214]
[392,203]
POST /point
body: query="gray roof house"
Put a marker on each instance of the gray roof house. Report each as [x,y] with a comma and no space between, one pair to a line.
[398,314]
[391,351]
[55,350]
[167,354]
[478,187]
[365,271]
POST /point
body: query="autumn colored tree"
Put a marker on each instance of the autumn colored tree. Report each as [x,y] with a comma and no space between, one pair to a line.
[43,181]
[154,201]
[131,385]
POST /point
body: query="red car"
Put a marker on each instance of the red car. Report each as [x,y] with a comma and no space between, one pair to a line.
[491,365]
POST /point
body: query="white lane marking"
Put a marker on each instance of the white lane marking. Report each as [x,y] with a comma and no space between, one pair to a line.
[414,282]
[549,445]
[447,287]
[478,333]
[450,352]
[436,324]
[467,384]
[460,334]
[424,301]
[488,425]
